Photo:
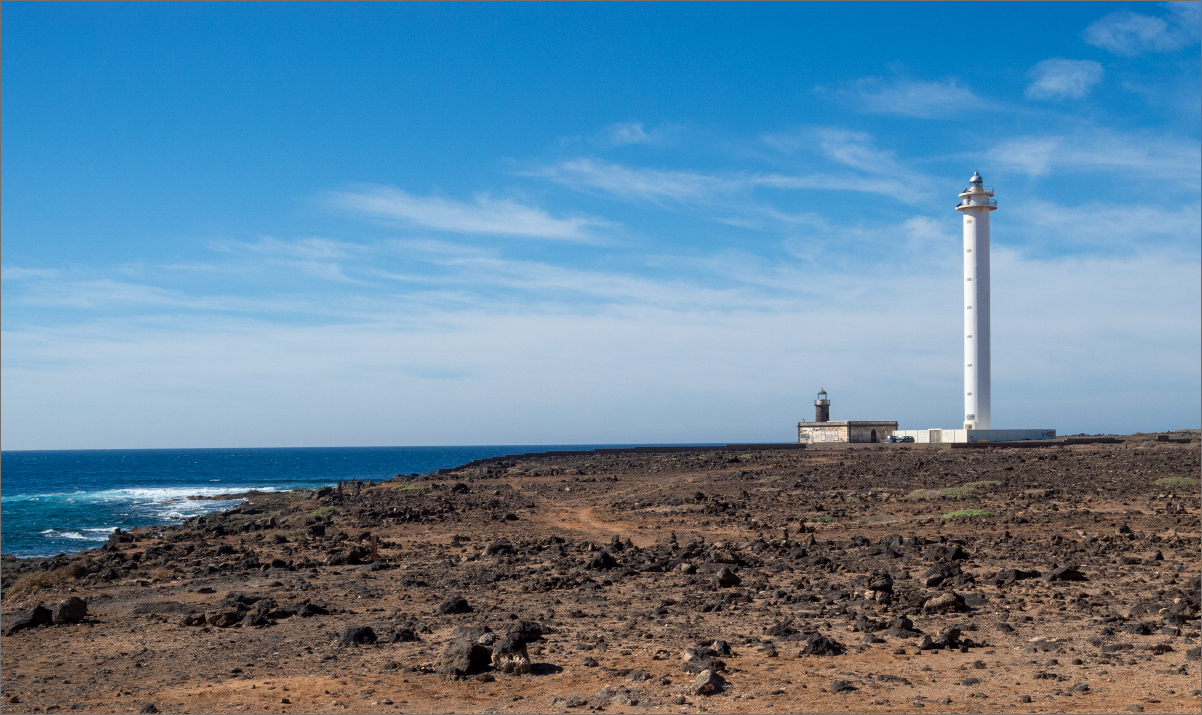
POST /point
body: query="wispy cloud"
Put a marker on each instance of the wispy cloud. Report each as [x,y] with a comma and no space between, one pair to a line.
[912,98]
[1137,228]
[1168,158]
[634,183]
[880,169]
[485,215]
[1131,33]
[1058,78]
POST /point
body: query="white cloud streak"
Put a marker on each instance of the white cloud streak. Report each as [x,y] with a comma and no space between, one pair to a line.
[913,98]
[1130,33]
[485,215]
[1170,159]
[1058,78]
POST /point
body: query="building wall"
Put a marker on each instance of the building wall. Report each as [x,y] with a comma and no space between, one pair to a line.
[857,432]
[935,436]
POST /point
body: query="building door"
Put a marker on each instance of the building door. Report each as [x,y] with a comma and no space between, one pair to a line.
[873,436]
[936,435]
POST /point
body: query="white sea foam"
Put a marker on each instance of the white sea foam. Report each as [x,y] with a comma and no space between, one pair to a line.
[53,534]
[155,495]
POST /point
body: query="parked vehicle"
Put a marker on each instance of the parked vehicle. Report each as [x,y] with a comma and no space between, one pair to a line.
[894,438]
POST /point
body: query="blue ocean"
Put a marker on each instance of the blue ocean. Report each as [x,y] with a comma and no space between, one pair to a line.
[65,501]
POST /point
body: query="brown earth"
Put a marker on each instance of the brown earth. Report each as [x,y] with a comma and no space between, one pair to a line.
[619,561]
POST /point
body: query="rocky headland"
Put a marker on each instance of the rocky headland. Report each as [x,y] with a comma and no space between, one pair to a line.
[860,578]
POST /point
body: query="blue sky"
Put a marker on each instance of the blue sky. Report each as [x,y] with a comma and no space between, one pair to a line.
[368,224]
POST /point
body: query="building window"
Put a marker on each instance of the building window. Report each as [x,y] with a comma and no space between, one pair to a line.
[970,364]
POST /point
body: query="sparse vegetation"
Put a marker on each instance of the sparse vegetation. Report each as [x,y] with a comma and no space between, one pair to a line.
[323,511]
[963,491]
[853,500]
[1175,481]
[744,456]
[405,487]
[880,489]
[772,477]
[824,519]
[294,534]
[968,513]
[28,583]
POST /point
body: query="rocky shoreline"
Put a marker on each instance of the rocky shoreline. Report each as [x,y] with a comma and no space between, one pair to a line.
[874,578]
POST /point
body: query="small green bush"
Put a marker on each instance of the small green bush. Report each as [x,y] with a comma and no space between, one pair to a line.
[405,487]
[967,513]
[744,456]
[853,500]
[323,511]
[985,483]
[824,519]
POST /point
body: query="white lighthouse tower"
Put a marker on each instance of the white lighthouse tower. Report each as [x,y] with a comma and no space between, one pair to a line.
[976,202]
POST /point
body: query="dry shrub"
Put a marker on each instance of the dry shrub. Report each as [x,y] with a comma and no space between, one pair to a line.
[163,574]
[306,505]
[34,581]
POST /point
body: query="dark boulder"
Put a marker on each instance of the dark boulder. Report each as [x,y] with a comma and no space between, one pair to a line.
[463,657]
[1064,573]
[500,547]
[39,615]
[945,552]
[356,636]
[526,630]
[454,604]
[818,644]
[602,561]
[307,610]
[71,610]
[403,635]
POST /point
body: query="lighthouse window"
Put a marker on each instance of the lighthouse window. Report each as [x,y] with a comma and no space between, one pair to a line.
[970,250]
[970,307]
[970,364]
[970,336]
[969,279]
[970,394]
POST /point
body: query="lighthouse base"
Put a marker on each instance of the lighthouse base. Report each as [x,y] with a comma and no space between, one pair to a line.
[930,436]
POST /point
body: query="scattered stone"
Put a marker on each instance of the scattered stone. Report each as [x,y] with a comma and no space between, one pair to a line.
[842,686]
[510,656]
[944,602]
[149,708]
[708,682]
[727,578]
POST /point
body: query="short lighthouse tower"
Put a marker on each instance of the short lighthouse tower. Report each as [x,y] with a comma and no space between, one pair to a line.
[976,202]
